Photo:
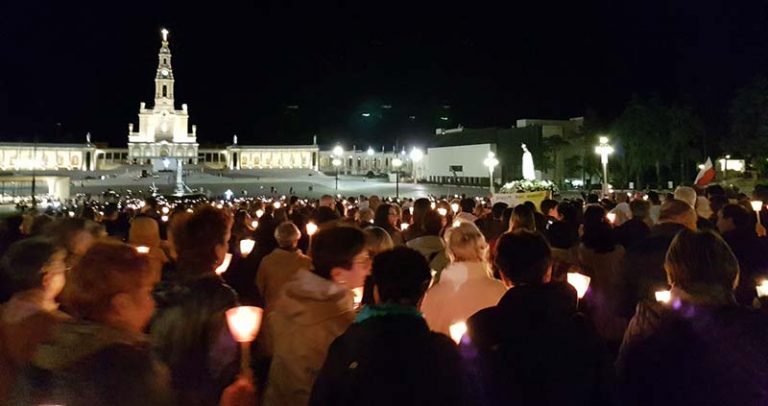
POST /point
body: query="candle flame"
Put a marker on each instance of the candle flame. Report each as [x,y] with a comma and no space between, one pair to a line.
[244,322]
[580,282]
[458,330]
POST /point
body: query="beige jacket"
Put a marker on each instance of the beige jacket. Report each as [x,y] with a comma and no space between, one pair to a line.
[464,288]
[309,314]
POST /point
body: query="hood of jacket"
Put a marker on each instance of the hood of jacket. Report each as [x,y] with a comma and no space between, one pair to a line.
[426,243]
[75,340]
[310,299]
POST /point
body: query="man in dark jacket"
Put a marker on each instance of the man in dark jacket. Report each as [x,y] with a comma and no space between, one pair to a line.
[534,347]
[737,226]
[635,229]
[389,356]
[492,225]
[643,270]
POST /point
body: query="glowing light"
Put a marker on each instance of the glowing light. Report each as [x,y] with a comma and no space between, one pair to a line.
[404,226]
[456,223]
[757,205]
[370,151]
[336,162]
[165,210]
[259,213]
[311,228]
[663,296]
[455,207]
[254,224]
[224,265]
[762,289]
[71,214]
[397,162]
[246,246]
[580,282]
[442,211]
[338,150]
[433,205]
[244,322]
[190,211]
[611,217]
[277,205]
[164,218]
[142,249]
[458,330]
[417,154]
[358,296]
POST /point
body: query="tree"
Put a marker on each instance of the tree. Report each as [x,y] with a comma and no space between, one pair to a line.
[749,121]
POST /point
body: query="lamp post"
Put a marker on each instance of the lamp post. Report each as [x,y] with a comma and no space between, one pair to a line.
[338,151]
[396,163]
[491,162]
[604,149]
[416,156]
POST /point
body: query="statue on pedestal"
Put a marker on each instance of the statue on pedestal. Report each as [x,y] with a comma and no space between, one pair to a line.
[529,172]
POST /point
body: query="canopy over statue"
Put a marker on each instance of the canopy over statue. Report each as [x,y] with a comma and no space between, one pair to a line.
[529,172]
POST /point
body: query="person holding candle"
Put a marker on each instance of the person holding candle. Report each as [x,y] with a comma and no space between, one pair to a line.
[190,328]
[101,356]
[34,269]
[700,347]
[145,232]
[643,270]
[314,308]
[737,227]
[466,284]
[389,356]
[534,347]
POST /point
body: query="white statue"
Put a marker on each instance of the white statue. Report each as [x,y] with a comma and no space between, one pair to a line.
[88,138]
[529,173]
[234,139]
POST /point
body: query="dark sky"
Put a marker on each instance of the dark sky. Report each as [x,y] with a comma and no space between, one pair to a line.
[240,65]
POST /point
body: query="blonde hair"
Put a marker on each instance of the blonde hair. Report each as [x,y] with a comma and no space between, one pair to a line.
[465,242]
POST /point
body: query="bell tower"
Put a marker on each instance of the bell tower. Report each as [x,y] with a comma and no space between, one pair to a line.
[164,76]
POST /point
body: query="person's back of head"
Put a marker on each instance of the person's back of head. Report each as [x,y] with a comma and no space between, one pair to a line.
[506,216]
[400,276]
[366,215]
[420,207]
[714,190]
[467,205]
[335,247]
[598,234]
[201,240]
[701,264]
[465,243]
[530,205]
[640,209]
[653,197]
[144,231]
[24,264]
[327,201]
[433,223]
[112,284]
[325,214]
[735,217]
[717,202]
[377,240]
[549,207]
[522,218]
[567,212]
[497,211]
[287,235]
[523,258]
[679,212]
[686,194]
[39,224]
[593,198]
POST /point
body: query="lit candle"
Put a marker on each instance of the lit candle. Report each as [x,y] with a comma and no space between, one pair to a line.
[580,282]
[259,213]
[164,218]
[757,206]
[358,296]
[442,211]
[277,205]
[246,246]
[403,226]
[611,217]
[224,265]
[142,249]
[456,223]
[662,296]
[244,323]
[165,210]
[455,207]
[254,224]
[762,289]
[433,205]
[458,330]
[311,228]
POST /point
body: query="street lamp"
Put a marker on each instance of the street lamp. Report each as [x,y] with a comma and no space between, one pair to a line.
[416,156]
[396,163]
[604,149]
[336,163]
[491,162]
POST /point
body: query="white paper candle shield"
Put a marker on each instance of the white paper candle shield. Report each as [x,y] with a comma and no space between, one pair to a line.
[579,282]
[224,265]
[246,246]
[244,322]
[458,330]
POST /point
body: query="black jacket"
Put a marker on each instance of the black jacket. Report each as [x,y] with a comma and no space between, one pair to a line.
[534,347]
[643,271]
[192,338]
[694,355]
[631,233]
[391,360]
[751,251]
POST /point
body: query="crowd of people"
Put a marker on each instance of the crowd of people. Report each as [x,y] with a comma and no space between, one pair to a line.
[432,301]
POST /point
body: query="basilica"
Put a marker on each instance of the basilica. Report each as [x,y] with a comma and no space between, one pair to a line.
[162,139]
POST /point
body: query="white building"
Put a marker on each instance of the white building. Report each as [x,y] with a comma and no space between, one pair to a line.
[163,136]
[361,162]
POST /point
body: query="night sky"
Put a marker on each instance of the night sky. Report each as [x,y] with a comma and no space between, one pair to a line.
[278,72]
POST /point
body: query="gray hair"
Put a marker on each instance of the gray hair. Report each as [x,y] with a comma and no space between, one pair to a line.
[287,234]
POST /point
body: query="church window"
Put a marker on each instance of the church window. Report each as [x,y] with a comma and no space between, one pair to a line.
[165,91]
